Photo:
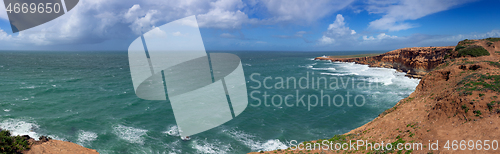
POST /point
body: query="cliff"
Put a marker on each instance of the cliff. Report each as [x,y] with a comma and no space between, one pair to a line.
[458,99]
[46,145]
[416,61]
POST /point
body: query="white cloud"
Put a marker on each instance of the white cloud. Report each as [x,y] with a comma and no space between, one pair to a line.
[303,11]
[379,37]
[141,20]
[156,33]
[397,12]
[227,35]
[326,40]
[337,31]
[225,14]
[4,35]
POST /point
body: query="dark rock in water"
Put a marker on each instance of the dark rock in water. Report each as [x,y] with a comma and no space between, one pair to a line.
[26,137]
[44,138]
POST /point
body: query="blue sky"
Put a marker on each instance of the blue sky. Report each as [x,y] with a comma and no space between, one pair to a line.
[271,25]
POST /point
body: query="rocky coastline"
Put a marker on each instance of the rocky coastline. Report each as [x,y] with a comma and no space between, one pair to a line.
[457,99]
[415,62]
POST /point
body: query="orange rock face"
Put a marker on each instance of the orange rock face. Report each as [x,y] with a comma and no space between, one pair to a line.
[59,147]
[416,61]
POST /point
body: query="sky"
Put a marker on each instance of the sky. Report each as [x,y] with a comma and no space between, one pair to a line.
[265,25]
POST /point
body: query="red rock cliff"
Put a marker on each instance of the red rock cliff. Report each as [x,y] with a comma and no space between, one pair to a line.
[416,61]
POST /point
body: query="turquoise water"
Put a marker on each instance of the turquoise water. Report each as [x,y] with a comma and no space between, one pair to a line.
[88,98]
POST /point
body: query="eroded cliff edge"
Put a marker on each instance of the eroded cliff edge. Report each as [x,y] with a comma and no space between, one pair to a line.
[416,61]
[456,100]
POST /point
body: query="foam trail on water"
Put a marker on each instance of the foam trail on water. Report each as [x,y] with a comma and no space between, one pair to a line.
[255,145]
[212,147]
[86,137]
[173,131]
[130,134]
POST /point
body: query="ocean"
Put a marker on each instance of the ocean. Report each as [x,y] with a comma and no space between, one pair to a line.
[88,98]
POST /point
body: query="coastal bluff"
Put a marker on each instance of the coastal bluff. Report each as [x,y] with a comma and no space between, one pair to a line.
[456,103]
[415,61]
[59,147]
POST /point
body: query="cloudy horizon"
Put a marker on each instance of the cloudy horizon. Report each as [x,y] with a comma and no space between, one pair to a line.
[278,25]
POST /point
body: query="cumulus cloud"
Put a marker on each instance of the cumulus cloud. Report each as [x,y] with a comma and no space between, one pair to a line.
[141,20]
[381,36]
[305,11]
[4,35]
[397,12]
[225,14]
[337,31]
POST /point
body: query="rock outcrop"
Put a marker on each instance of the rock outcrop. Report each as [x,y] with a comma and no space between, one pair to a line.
[457,101]
[416,61]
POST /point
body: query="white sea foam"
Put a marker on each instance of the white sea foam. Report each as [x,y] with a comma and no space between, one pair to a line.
[20,127]
[212,147]
[338,74]
[86,137]
[28,87]
[328,69]
[383,75]
[251,141]
[173,131]
[130,134]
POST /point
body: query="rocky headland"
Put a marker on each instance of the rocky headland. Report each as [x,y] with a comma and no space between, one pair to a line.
[416,61]
[457,99]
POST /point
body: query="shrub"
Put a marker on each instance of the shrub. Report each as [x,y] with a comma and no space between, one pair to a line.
[474,51]
[465,108]
[458,47]
[493,39]
[490,105]
[489,43]
[12,144]
[446,56]
[477,112]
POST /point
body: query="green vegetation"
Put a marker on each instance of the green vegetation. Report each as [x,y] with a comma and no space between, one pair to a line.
[474,51]
[496,64]
[465,108]
[493,39]
[489,43]
[12,144]
[446,56]
[490,105]
[483,82]
[340,138]
[466,42]
[477,112]
[459,47]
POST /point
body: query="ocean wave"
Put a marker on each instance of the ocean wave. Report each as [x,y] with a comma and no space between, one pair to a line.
[214,147]
[86,137]
[20,127]
[130,134]
[339,74]
[328,69]
[251,141]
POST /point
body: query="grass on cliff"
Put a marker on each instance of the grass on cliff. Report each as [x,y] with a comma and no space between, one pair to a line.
[479,82]
[493,39]
[474,51]
[12,144]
